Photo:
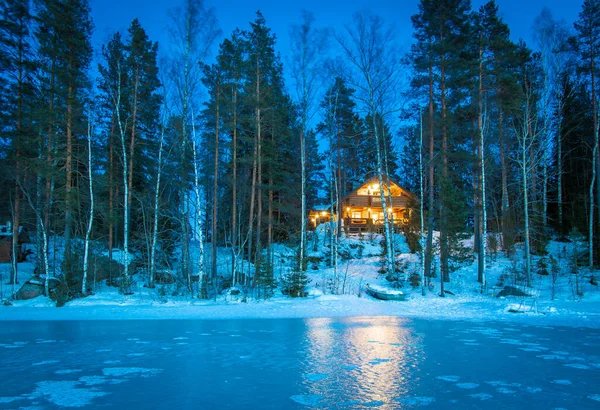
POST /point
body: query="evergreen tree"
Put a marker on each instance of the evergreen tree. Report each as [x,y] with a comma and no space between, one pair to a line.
[65,51]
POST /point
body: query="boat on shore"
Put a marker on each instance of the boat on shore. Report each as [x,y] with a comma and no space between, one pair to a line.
[385,294]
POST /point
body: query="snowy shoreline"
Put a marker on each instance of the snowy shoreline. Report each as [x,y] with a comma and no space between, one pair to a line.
[581,313]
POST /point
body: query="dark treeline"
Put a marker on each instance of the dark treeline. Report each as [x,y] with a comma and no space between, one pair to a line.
[198,167]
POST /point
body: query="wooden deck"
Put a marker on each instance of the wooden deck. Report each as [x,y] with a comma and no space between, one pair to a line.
[362,226]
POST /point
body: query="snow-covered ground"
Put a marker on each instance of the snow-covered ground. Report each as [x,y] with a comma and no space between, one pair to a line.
[360,266]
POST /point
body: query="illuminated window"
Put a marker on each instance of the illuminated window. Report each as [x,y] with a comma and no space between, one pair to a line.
[356,214]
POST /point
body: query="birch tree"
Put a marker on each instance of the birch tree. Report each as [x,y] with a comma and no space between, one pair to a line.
[193,30]
[369,46]
[86,251]
[307,48]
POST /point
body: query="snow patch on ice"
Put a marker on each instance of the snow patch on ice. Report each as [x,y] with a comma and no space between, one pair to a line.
[10,399]
[136,354]
[307,399]
[451,379]
[315,377]
[551,357]
[562,382]
[45,362]
[65,393]
[577,366]
[376,403]
[68,371]
[595,397]
[504,390]
[126,371]
[467,385]
[533,389]
[416,401]
[482,396]
[497,383]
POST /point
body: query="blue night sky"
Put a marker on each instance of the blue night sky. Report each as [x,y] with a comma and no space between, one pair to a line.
[115,15]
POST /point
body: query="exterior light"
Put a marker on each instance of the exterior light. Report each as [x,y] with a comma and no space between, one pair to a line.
[376,187]
[323,213]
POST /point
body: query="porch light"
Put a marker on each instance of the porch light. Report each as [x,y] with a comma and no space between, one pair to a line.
[323,213]
[376,187]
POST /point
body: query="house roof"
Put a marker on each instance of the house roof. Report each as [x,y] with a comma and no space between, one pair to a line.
[375,179]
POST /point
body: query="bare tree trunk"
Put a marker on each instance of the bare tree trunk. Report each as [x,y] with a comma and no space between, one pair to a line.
[86,251]
[479,193]
[156,211]
[234,231]
[483,244]
[429,247]
[201,272]
[111,189]
[215,193]
[122,129]
[421,200]
[444,254]
[504,167]
[69,175]
[16,211]
[594,178]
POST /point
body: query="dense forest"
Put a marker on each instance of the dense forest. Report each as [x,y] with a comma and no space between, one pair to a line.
[174,163]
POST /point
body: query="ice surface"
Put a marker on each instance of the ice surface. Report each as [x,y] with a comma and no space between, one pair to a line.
[323,363]
[595,397]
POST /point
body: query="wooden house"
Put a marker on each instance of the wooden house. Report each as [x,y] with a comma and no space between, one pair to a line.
[6,236]
[361,210]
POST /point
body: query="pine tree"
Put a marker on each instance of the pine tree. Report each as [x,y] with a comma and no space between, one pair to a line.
[63,34]
[17,98]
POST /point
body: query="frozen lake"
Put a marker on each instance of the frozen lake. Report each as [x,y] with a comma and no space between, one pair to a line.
[382,362]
